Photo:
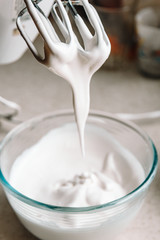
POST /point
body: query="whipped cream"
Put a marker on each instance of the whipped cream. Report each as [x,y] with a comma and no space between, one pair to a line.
[54,172]
[86,189]
[71,60]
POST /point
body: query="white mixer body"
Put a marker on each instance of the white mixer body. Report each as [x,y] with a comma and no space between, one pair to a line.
[12,46]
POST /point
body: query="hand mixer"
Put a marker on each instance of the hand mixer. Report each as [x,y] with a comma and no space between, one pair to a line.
[54,48]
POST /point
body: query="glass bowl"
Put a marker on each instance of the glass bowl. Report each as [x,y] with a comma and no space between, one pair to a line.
[98,222]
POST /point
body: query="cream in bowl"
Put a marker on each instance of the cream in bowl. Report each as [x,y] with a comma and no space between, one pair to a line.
[57,193]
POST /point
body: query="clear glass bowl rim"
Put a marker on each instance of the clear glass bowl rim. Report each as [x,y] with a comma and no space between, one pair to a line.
[117,202]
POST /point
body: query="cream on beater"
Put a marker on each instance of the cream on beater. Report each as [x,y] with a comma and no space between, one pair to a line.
[69,59]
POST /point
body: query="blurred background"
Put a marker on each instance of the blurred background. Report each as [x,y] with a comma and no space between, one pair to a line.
[133,27]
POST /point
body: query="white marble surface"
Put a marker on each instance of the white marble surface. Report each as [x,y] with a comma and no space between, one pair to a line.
[37,91]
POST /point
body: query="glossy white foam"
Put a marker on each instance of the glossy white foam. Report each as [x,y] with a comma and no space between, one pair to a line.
[54,172]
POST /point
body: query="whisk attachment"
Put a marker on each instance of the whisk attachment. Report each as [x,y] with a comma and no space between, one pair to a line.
[72,8]
[25,35]
[60,14]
